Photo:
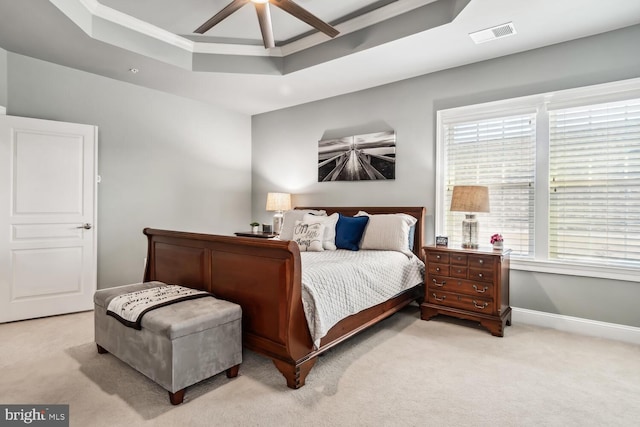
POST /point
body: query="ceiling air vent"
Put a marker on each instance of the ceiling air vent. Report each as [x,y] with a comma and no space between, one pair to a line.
[493,33]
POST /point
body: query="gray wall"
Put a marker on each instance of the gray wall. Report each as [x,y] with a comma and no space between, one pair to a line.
[165,161]
[3,78]
[285,150]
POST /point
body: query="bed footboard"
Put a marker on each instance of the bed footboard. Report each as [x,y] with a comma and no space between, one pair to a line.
[262,276]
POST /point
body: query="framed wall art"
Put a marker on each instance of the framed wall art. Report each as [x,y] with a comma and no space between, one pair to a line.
[364,157]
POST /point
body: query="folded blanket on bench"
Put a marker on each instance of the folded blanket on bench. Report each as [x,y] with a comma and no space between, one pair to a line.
[129,308]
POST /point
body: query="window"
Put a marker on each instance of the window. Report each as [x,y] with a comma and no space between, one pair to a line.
[498,152]
[563,171]
[594,209]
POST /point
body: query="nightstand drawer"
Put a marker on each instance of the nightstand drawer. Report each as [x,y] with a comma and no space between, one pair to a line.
[468,287]
[481,261]
[483,275]
[441,269]
[438,257]
[458,259]
[466,302]
[458,271]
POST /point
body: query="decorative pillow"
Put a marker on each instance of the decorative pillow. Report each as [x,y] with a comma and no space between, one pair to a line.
[412,236]
[389,232]
[349,230]
[329,222]
[290,218]
[308,236]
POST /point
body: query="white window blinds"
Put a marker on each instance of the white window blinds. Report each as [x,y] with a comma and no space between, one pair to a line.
[594,211]
[500,154]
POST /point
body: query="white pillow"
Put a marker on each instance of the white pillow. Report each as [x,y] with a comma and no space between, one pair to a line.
[308,236]
[329,222]
[290,218]
[389,232]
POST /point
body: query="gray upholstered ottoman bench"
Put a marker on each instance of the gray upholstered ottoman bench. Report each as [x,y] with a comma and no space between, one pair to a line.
[179,344]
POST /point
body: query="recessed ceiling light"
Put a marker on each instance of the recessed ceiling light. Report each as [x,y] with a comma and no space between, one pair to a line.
[134,70]
[493,33]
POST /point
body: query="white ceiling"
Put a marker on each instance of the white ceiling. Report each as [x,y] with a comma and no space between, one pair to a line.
[39,29]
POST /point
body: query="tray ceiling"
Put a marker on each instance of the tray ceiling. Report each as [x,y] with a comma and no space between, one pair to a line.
[230,68]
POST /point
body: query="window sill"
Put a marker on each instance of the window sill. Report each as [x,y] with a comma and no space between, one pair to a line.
[582,270]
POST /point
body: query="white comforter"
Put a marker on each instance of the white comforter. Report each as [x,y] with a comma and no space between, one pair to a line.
[337,284]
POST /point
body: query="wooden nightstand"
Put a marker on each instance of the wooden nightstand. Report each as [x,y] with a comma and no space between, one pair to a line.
[469,284]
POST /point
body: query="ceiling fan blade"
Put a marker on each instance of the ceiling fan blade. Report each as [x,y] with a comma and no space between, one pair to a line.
[305,16]
[224,13]
[264,17]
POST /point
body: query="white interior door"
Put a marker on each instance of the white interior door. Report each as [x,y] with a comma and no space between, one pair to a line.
[48,217]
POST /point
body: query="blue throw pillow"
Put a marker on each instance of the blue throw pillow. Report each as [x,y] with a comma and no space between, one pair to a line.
[412,236]
[349,231]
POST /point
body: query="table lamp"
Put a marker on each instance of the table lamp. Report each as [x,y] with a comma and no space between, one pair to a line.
[470,199]
[278,202]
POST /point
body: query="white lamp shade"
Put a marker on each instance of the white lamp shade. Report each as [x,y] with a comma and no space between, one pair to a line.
[278,201]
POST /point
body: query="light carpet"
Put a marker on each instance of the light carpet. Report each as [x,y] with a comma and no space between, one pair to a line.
[402,372]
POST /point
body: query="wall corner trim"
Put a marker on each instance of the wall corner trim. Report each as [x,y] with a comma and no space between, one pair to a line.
[577,325]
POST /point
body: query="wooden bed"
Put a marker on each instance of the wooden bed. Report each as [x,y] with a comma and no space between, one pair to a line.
[264,278]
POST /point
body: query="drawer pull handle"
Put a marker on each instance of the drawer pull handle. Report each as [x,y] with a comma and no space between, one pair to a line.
[481,261]
[480,275]
[480,306]
[480,291]
[435,282]
[437,256]
[459,258]
[437,268]
[440,299]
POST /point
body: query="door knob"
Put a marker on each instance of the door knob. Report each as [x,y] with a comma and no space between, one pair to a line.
[86,226]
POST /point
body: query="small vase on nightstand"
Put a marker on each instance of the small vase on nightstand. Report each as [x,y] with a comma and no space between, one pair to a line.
[497,242]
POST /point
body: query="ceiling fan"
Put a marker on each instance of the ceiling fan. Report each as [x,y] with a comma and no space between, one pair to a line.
[264,18]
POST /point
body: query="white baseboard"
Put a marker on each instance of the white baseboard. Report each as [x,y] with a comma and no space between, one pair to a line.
[3,110]
[577,325]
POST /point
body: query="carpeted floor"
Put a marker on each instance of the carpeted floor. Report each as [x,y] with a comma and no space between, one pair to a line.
[402,372]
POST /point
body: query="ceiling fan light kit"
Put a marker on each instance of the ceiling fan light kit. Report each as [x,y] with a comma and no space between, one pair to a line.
[264,18]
